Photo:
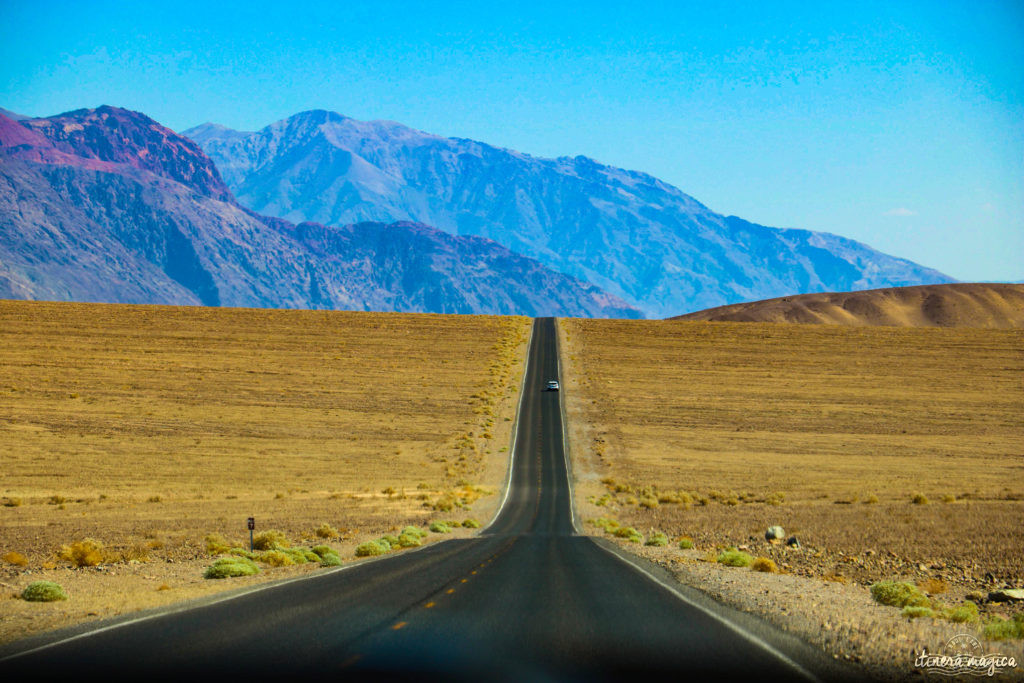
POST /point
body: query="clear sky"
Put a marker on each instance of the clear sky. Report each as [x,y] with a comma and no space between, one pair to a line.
[900,124]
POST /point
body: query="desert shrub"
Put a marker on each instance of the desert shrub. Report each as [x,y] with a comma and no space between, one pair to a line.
[775,498]
[610,526]
[871,499]
[16,558]
[300,555]
[326,531]
[764,564]
[391,540]
[276,558]
[155,499]
[370,549]
[470,523]
[949,498]
[649,502]
[734,558]
[933,586]
[331,559]
[962,614]
[657,539]
[43,591]
[410,540]
[911,612]
[630,534]
[84,553]
[57,500]
[242,552]
[322,550]
[12,502]
[1005,629]
[899,594]
[231,566]
[413,531]
[686,543]
[272,539]
[919,499]
[217,544]
[440,527]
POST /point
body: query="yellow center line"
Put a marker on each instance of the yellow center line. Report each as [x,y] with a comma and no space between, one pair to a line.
[429,605]
[450,591]
[473,572]
[399,625]
[465,580]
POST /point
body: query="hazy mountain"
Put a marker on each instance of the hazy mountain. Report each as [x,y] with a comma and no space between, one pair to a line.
[107,205]
[627,232]
[989,305]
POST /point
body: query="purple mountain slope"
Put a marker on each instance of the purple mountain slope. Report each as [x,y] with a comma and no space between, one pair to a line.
[107,205]
[627,232]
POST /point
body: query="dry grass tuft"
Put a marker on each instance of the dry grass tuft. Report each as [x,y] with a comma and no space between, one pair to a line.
[764,564]
[84,553]
[15,558]
[933,586]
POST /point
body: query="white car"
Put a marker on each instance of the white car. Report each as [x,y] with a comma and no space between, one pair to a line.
[552,386]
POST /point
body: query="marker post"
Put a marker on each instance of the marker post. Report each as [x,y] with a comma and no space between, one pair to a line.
[251,522]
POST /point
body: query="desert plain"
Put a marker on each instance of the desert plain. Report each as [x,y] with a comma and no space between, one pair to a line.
[150,429]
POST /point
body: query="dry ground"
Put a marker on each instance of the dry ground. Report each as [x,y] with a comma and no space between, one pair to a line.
[716,431]
[147,428]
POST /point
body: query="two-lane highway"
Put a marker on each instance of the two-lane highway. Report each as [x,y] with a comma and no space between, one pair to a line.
[526,600]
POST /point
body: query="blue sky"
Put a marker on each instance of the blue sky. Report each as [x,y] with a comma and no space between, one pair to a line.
[900,124]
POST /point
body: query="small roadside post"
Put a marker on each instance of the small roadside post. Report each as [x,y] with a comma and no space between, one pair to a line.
[251,522]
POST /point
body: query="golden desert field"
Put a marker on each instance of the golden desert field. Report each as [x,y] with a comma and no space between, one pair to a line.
[716,431]
[148,428]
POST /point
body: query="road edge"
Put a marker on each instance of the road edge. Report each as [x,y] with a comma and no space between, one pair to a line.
[515,433]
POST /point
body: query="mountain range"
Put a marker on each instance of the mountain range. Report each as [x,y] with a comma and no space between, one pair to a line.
[108,205]
[627,232]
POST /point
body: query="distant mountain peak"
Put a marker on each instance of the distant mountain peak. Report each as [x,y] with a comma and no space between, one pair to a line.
[625,231]
[120,136]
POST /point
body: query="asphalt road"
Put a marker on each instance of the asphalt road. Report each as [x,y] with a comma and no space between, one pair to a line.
[526,600]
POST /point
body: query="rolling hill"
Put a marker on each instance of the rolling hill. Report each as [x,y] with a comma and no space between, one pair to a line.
[954,305]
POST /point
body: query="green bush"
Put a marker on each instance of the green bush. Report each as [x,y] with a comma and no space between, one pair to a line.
[899,594]
[686,543]
[217,544]
[321,550]
[413,531]
[410,540]
[1005,629]
[392,541]
[657,539]
[330,559]
[301,555]
[440,527]
[470,523]
[231,566]
[370,548]
[962,614]
[43,591]
[271,539]
[609,525]
[630,534]
[734,558]
[911,612]
[242,552]
[276,558]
